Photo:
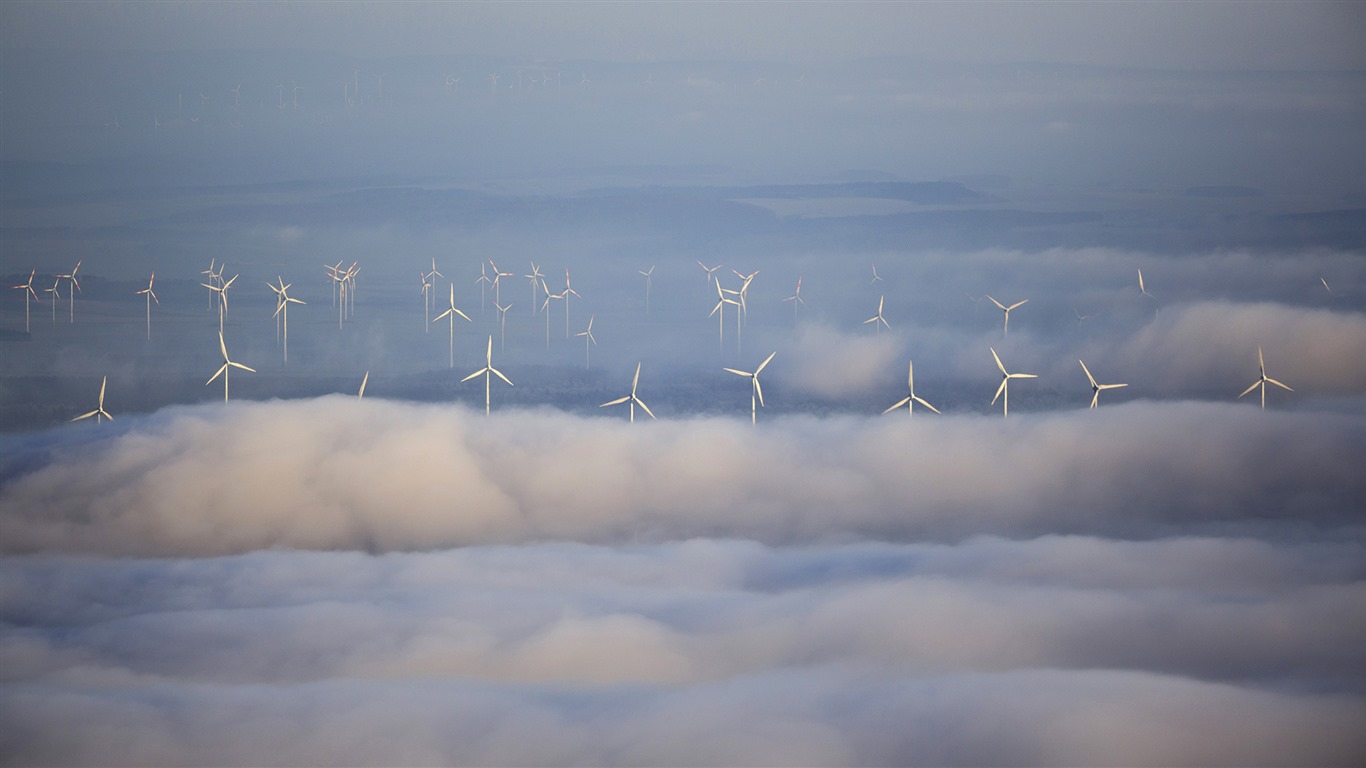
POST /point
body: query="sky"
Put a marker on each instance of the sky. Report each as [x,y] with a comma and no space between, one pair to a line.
[302,576]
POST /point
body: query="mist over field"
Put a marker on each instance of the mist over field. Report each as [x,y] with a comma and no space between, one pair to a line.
[302,576]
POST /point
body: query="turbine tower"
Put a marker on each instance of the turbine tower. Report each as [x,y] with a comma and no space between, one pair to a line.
[227,364]
[487,371]
[631,398]
[1004,389]
[756,395]
[1263,380]
[1005,309]
[99,413]
[1096,388]
[911,399]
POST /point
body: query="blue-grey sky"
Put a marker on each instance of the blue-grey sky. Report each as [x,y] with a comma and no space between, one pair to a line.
[1168,35]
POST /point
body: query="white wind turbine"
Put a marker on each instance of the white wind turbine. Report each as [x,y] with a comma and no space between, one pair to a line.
[426,303]
[151,297]
[487,371]
[587,335]
[209,275]
[878,319]
[709,270]
[56,295]
[1096,388]
[534,277]
[568,291]
[498,282]
[756,395]
[911,399]
[1263,380]
[1006,327]
[631,398]
[99,413]
[1004,389]
[283,300]
[876,277]
[646,273]
[222,291]
[721,301]
[483,282]
[796,298]
[71,290]
[227,364]
[27,288]
[503,324]
[451,312]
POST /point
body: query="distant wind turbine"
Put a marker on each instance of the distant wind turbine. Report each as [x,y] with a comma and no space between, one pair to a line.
[568,291]
[283,300]
[911,399]
[27,288]
[1006,327]
[451,312]
[1004,389]
[483,282]
[721,301]
[545,308]
[709,270]
[426,303]
[151,297]
[227,364]
[1263,380]
[756,395]
[587,335]
[876,277]
[534,277]
[99,413]
[222,291]
[71,290]
[878,319]
[796,298]
[487,371]
[498,282]
[503,324]
[646,273]
[1096,388]
[631,398]
[56,295]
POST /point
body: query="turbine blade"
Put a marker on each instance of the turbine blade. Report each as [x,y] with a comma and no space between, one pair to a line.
[642,404]
[738,373]
[998,361]
[85,416]
[997,303]
[921,400]
[899,403]
[216,375]
[1255,384]
[759,390]
[618,401]
[243,367]
[500,375]
[1095,398]
[636,380]
[999,390]
[765,362]
[479,372]
[1089,377]
[1273,381]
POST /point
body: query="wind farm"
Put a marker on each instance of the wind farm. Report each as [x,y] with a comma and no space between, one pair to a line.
[325,570]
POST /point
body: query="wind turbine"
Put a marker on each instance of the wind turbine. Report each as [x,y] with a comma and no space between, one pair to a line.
[483,278]
[282,308]
[568,290]
[99,413]
[1263,380]
[27,288]
[631,398]
[756,394]
[876,277]
[56,283]
[1004,389]
[227,363]
[451,313]
[587,337]
[709,270]
[878,319]
[1005,309]
[545,308]
[721,301]
[222,291]
[75,286]
[1080,317]
[911,399]
[208,275]
[1096,388]
[497,283]
[487,371]
[426,303]
[503,324]
[533,277]
[151,297]
[796,298]
[646,273]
